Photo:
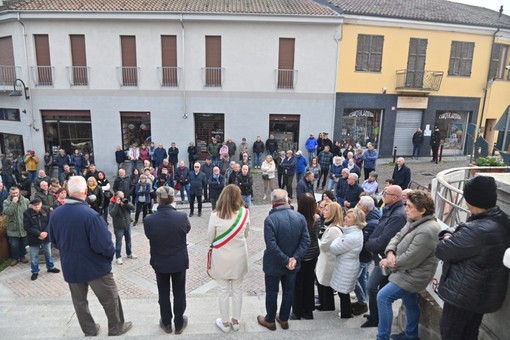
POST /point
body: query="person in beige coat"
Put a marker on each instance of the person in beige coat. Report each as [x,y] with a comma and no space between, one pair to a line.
[333,216]
[227,232]
[268,168]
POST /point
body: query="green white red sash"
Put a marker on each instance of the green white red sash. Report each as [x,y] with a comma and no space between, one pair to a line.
[240,221]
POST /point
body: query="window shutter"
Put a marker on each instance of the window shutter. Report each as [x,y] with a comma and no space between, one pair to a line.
[78,54]
[454,59]
[286,63]
[359,53]
[169,60]
[496,49]
[213,60]
[42,56]
[7,59]
[466,59]
[129,70]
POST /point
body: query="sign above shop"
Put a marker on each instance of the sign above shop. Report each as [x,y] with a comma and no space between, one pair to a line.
[450,115]
[362,113]
[412,102]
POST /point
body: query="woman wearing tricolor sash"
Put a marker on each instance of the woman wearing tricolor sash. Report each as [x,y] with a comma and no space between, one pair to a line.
[227,232]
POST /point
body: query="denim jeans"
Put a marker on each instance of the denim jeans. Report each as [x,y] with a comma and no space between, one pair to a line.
[184,187]
[331,184]
[376,281]
[119,232]
[299,176]
[416,150]
[385,298]
[361,284]
[311,154]
[34,257]
[272,283]
[18,247]
[247,200]
[32,174]
[258,159]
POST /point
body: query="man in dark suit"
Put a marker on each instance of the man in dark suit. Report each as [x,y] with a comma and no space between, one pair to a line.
[305,185]
[197,183]
[166,230]
[287,240]
[401,174]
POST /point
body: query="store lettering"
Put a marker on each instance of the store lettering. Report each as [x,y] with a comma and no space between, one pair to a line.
[450,115]
[361,113]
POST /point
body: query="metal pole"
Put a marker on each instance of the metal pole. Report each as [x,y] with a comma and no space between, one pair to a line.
[394,153]
[441,152]
[503,147]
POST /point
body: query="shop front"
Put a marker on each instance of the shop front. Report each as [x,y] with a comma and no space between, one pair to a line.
[361,126]
[453,127]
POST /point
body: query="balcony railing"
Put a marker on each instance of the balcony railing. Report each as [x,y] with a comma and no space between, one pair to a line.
[286,78]
[78,75]
[419,80]
[128,76]
[212,76]
[169,76]
[42,75]
[8,75]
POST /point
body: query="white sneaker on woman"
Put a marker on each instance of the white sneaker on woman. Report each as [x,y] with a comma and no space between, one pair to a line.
[224,327]
[235,324]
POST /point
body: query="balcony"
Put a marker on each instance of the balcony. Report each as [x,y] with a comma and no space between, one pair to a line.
[212,76]
[42,75]
[8,75]
[286,78]
[169,76]
[128,76]
[78,75]
[418,81]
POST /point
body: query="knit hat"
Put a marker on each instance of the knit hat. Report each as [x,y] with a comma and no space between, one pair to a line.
[35,201]
[481,192]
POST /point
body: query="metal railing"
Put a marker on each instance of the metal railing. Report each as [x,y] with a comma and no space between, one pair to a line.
[128,75]
[8,74]
[449,194]
[78,75]
[286,78]
[42,75]
[169,76]
[419,80]
[212,76]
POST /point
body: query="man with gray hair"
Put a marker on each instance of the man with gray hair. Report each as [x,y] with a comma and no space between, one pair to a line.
[166,230]
[86,250]
[287,239]
[352,191]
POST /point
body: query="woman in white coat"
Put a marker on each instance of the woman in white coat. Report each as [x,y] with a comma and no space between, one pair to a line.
[227,232]
[347,248]
[333,216]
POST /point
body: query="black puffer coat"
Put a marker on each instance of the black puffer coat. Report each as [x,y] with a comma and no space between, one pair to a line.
[35,223]
[474,277]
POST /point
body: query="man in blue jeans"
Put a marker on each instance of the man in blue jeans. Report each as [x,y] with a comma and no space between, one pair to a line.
[120,211]
[287,239]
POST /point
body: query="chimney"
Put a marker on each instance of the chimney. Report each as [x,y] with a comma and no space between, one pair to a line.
[500,9]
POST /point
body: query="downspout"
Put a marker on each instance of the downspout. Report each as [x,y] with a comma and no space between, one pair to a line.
[486,89]
[32,123]
[338,38]
[184,104]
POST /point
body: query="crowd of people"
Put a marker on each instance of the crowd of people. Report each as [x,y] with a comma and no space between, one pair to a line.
[326,247]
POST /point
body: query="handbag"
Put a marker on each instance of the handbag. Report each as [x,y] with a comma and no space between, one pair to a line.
[265,177]
[224,238]
[178,186]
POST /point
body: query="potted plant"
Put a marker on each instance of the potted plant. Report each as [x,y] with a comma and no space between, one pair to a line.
[494,162]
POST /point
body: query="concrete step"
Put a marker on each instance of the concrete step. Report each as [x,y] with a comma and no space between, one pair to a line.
[55,318]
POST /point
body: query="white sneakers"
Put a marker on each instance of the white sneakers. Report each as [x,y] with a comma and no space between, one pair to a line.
[235,324]
[224,327]
[264,197]
[132,256]
[119,260]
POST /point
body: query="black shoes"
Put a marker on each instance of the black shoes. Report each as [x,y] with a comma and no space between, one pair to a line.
[369,323]
[190,214]
[54,270]
[199,214]
[358,309]
[167,328]
[34,276]
[125,328]
[184,325]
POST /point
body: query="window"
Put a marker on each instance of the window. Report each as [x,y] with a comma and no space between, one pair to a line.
[461,58]
[416,63]
[79,71]
[129,68]
[11,144]
[136,128]
[286,63]
[9,114]
[369,54]
[499,61]
[43,74]
[169,60]
[67,130]
[7,68]
[361,126]
[213,76]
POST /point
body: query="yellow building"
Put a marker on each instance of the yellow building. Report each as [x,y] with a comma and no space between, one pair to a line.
[409,64]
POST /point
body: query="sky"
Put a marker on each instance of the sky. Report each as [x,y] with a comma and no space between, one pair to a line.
[491,4]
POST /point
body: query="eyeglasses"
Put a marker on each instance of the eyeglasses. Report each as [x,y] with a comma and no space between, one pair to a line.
[388,193]
[197,167]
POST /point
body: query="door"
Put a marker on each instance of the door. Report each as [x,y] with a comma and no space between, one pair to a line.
[208,125]
[416,63]
[407,123]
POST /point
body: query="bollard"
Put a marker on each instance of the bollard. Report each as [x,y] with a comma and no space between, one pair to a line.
[394,154]
[494,150]
[441,153]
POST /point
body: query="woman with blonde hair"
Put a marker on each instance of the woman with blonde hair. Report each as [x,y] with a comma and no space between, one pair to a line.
[346,248]
[227,232]
[268,168]
[94,194]
[333,216]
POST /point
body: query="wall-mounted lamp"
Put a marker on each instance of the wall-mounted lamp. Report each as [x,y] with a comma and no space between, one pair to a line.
[17,93]
[184,116]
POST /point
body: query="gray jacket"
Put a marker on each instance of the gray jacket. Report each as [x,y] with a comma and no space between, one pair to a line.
[121,215]
[414,247]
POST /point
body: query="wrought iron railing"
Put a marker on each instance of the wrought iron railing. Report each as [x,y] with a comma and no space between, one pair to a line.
[42,75]
[213,76]
[78,75]
[128,75]
[8,74]
[169,76]
[419,80]
[286,78]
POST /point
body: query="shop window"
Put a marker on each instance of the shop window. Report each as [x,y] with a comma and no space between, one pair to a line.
[499,61]
[452,126]
[208,125]
[136,128]
[11,144]
[282,126]
[67,130]
[361,126]
[10,114]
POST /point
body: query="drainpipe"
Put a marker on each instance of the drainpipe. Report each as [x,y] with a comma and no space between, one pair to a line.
[184,104]
[486,89]
[338,38]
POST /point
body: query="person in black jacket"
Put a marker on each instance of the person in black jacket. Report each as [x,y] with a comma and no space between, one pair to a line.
[35,222]
[245,182]
[120,157]
[305,185]
[120,211]
[417,142]
[289,167]
[166,230]
[216,184]
[435,142]
[122,183]
[401,174]
[352,191]
[197,183]
[474,279]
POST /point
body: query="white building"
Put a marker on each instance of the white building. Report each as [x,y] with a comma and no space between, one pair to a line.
[107,74]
